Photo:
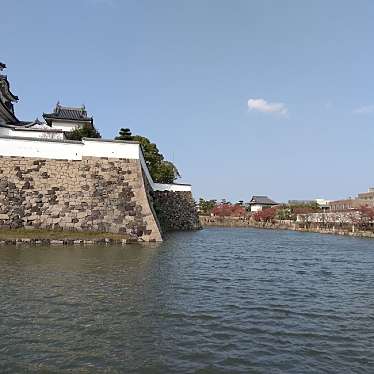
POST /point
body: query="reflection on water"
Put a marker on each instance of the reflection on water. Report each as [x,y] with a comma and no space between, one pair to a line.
[218,300]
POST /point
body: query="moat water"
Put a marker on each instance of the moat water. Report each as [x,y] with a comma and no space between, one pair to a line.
[215,301]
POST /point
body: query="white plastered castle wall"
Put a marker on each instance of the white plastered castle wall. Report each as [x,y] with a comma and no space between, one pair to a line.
[66,125]
[76,150]
[29,133]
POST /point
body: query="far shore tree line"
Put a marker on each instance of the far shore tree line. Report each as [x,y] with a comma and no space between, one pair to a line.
[363,217]
[161,170]
[240,209]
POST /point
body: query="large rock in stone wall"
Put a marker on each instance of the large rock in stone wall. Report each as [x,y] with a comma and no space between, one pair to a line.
[95,194]
[176,211]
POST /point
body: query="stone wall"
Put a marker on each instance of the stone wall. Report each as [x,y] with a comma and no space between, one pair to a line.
[338,229]
[215,221]
[176,211]
[92,194]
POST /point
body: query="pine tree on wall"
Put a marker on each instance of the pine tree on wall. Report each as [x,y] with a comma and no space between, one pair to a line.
[161,170]
[124,134]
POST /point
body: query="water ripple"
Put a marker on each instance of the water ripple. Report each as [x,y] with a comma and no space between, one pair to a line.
[215,301]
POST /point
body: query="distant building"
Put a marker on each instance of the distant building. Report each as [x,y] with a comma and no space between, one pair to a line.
[258,203]
[62,120]
[362,199]
[301,202]
[349,204]
[366,195]
[322,203]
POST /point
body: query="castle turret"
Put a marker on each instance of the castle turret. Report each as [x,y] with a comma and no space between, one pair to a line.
[67,118]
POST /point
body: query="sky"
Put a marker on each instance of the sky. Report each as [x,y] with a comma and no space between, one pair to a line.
[270,97]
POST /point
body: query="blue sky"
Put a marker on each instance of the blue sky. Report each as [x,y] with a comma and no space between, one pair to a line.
[246,97]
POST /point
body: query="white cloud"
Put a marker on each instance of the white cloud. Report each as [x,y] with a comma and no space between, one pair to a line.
[366,109]
[263,106]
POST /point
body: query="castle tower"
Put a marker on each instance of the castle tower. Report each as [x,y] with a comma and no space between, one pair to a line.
[67,118]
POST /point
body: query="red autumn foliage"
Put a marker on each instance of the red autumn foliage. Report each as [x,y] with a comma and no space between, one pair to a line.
[265,215]
[367,212]
[228,210]
[366,217]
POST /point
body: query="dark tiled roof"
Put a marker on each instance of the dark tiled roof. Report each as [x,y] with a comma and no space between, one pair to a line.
[6,99]
[68,113]
[26,124]
[7,114]
[262,200]
[6,89]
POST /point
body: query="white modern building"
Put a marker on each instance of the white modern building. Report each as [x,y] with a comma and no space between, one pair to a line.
[323,203]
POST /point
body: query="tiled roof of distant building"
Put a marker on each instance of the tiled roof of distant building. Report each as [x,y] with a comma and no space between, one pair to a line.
[264,200]
[68,113]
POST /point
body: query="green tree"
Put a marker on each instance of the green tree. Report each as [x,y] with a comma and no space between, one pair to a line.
[86,131]
[284,213]
[124,134]
[165,172]
[206,206]
[161,170]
